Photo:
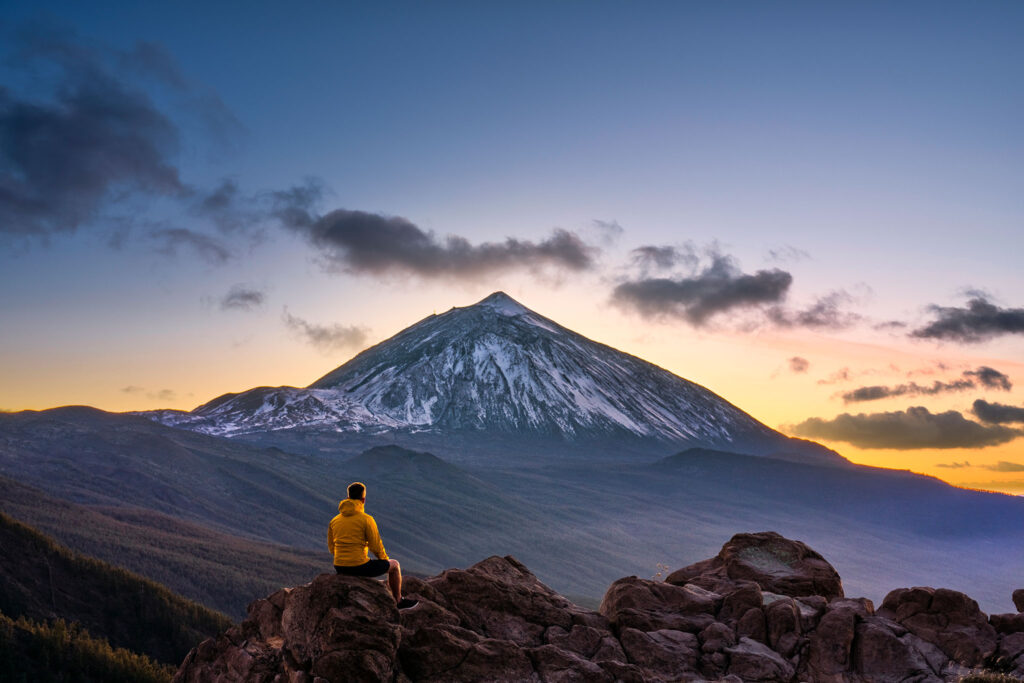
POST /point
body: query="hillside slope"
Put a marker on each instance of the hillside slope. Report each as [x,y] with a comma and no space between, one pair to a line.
[41,580]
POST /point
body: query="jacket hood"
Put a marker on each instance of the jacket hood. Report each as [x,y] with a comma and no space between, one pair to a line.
[349,507]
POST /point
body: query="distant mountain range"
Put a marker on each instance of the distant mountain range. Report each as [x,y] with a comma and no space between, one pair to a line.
[490,382]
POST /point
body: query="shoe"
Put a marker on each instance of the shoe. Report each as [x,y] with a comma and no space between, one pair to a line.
[406,603]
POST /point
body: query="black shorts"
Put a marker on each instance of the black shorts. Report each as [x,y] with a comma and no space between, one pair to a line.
[371,568]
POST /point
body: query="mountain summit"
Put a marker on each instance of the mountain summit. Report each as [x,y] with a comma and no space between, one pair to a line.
[498,370]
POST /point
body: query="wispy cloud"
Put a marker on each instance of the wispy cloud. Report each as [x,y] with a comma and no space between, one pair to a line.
[983,377]
[242,298]
[912,428]
[1004,466]
[170,241]
[326,338]
[954,465]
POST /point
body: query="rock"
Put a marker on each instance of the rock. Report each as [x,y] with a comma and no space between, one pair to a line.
[1018,599]
[496,622]
[829,646]
[1012,622]
[664,654]
[499,598]
[887,653]
[774,563]
[335,627]
[716,637]
[559,666]
[652,606]
[752,625]
[753,661]
[947,618]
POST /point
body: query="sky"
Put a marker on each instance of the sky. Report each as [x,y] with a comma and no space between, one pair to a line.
[815,210]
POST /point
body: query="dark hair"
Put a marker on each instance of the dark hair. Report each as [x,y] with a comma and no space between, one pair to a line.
[356,490]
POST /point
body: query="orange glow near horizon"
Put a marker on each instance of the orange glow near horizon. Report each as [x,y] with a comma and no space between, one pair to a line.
[749,369]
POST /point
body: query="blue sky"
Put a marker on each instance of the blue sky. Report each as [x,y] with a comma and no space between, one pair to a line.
[870,152]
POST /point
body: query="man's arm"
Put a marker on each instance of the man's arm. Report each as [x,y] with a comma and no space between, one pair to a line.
[373,539]
[330,539]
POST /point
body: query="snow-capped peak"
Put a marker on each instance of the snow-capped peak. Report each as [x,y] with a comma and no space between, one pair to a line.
[504,304]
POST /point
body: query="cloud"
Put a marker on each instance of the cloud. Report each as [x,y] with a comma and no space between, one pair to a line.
[913,428]
[609,232]
[160,395]
[954,465]
[327,338]
[370,243]
[825,313]
[1004,466]
[990,378]
[840,375]
[997,413]
[799,365]
[94,139]
[210,249]
[979,321]
[650,258]
[786,254]
[719,288]
[242,298]
[984,376]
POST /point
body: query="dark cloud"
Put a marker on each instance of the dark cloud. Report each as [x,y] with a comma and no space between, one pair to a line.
[798,364]
[954,465]
[96,139]
[719,288]
[662,258]
[370,243]
[159,395]
[990,378]
[825,313]
[979,321]
[1004,466]
[132,389]
[997,413]
[242,298]
[903,430]
[327,338]
[171,240]
[984,376]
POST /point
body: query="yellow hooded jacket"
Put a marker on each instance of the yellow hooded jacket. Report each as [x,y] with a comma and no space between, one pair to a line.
[351,533]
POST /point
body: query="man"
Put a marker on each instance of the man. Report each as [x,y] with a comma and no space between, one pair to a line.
[351,533]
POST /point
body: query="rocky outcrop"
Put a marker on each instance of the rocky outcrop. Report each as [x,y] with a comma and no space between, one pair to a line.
[765,609]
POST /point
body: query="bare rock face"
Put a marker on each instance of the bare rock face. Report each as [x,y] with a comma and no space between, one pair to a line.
[946,618]
[774,563]
[336,627]
[744,615]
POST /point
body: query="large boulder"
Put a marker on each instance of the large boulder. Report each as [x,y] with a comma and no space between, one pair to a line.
[335,627]
[775,563]
[946,618]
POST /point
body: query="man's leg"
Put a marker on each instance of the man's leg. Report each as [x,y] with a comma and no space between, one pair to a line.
[395,580]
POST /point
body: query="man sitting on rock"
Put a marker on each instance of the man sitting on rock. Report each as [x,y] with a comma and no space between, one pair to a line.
[351,533]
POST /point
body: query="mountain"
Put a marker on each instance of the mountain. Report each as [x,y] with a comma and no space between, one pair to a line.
[493,379]
[41,580]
